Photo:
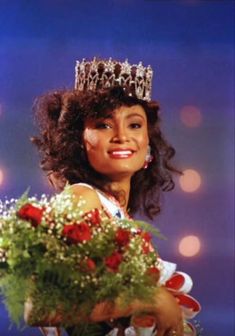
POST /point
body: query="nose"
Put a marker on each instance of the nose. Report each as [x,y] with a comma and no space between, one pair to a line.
[120,135]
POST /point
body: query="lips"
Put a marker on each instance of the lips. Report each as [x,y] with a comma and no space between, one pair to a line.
[121,153]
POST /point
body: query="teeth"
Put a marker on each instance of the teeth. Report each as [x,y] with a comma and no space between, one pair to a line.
[122,152]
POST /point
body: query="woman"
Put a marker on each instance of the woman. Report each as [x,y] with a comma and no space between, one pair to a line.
[104,139]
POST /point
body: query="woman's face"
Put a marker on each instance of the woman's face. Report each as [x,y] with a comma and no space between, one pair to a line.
[116,145]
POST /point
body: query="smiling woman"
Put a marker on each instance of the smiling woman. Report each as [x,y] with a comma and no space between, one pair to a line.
[99,122]
[104,140]
[117,144]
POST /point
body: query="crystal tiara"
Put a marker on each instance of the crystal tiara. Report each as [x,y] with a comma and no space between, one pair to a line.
[98,74]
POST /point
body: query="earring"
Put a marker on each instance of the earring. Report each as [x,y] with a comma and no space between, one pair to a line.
[148,157]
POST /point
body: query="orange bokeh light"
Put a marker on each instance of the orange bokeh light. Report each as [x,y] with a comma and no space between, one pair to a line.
[190,181]
[191,116]
[189,246]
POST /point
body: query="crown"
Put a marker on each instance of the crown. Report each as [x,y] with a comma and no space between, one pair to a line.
[98,74]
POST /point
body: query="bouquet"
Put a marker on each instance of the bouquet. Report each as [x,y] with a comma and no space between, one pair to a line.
[70,266]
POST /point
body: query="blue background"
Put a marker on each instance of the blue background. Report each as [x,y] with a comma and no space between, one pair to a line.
[190,45]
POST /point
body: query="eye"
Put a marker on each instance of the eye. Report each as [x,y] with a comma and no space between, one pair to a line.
[102,125]
[135,125]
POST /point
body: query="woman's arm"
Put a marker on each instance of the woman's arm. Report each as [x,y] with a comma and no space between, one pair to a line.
[168,314]
[164,309]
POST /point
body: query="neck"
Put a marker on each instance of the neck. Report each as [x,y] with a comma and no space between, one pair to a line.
[122,187]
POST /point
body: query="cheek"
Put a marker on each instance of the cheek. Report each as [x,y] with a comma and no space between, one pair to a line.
[144,141]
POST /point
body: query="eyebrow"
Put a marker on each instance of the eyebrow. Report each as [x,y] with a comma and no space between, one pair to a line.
[134,114]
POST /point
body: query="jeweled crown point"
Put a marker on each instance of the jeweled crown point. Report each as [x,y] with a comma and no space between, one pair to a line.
[98,74]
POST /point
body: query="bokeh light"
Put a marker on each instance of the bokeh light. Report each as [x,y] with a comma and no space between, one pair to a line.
[190,181]
[1,176]
[189,246]
[191,116]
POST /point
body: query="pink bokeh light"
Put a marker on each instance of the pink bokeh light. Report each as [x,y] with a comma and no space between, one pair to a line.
[189,246]
[191,116]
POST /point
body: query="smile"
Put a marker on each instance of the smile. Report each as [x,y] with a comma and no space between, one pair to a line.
[121,154]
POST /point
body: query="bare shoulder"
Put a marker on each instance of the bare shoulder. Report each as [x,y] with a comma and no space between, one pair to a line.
[88,194]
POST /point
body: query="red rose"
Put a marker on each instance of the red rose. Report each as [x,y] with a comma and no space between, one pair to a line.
[76,233]
[93,217]
[146,245]
[147,248]
[146,236]
[31,213]
[113,261]
[88,265]
[154,273]
[122,237]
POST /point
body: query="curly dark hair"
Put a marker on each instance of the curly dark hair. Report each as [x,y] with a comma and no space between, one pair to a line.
[61,116]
